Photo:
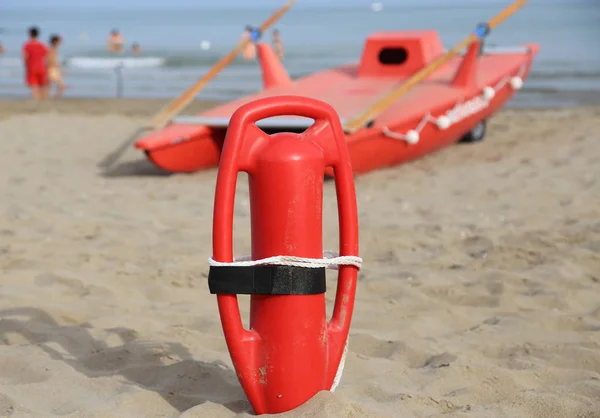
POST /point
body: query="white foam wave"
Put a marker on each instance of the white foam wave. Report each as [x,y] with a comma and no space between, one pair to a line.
[11,62]
[109,62]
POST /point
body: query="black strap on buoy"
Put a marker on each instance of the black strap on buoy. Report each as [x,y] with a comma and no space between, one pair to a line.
[266,280]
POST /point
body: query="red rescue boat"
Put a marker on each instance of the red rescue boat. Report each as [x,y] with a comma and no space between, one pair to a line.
[451,103]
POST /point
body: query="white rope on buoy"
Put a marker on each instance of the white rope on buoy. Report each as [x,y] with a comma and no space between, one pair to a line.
[290,260]
[340,370]
[332,262]
[442,122]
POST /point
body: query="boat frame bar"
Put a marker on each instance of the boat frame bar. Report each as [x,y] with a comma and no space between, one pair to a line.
[500,50]
[276,122]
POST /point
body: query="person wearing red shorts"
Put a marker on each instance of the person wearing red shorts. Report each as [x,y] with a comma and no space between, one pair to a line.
[36,71]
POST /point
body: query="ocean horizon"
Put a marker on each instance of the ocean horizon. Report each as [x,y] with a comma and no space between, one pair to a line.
[181,43]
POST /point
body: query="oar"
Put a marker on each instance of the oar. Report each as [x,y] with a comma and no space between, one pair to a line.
[178,104]
[365,117]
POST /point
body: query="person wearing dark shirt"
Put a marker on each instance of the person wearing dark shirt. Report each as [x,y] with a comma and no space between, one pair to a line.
[36,71]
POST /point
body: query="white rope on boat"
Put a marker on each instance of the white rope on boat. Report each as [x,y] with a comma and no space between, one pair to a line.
[331,260]
[457,112]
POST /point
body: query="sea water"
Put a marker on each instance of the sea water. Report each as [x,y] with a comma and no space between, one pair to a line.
[181,39]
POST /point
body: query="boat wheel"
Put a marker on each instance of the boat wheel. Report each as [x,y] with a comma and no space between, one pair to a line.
[476,134]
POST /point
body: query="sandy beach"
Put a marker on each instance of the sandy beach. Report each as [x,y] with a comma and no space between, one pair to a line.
[479,295]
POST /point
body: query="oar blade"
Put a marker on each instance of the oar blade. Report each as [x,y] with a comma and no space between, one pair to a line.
[112,158]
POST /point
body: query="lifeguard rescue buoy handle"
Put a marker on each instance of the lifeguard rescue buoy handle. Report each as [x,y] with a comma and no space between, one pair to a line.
[291,351]
[367,117]
[174,107]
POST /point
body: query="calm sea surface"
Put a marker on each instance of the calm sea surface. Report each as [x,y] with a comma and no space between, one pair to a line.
[175,52]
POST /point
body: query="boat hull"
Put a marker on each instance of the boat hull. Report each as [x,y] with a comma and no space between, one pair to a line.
[196,154]
[373,149]
[370,149]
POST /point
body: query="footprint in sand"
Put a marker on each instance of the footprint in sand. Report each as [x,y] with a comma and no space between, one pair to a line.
[17,371]
[7,406]
[368,346]
[477,246]
[69,285]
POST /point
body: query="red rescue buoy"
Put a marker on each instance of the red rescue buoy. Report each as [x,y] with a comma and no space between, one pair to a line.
[291,351]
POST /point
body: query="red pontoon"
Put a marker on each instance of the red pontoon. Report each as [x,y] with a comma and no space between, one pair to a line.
[451,104]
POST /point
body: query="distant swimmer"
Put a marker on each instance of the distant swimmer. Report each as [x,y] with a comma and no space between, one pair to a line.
[277,44]
[34,58]
[249,52]
[135,48]
[55,72]
[115,42]
[2,50]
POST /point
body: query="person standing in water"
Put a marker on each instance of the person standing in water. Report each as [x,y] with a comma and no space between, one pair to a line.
[54,67]
[249,52]
[115,42]
[277,44]
[136,49]
[34,58]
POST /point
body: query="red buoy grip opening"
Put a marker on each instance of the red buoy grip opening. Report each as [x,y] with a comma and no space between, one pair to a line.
[244,145]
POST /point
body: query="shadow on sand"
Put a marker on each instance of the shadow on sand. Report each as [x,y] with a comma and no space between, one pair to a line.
[184,384]
[141,168]
[144,168]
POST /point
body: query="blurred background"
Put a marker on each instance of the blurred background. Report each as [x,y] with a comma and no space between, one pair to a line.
[181,39]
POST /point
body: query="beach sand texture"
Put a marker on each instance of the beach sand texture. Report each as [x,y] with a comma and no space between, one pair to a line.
[479,295]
